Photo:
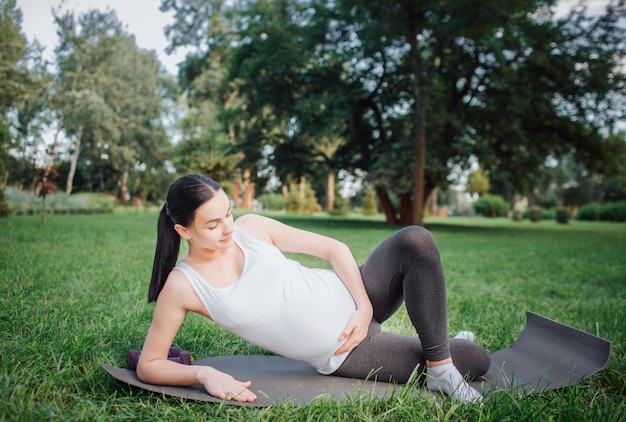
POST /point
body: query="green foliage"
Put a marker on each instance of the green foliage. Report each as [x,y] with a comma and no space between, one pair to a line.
[549,214]
[300,94]
[589,212]
[22,202]
[535,214]
[298,205]
[613,211]
[491,206]
[608,211]
[272,201]
[4,204]
[12,50]
[341,206]
[562,216]
[294,204]
[110,97]
[369,203]
[310,205]
[478,182]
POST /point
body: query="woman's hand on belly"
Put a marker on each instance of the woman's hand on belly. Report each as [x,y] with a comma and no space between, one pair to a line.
[356,329]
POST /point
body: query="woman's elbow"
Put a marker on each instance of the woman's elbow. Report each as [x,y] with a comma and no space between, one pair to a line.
[144,372]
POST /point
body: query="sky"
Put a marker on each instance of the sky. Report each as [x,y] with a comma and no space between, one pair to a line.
[142,18]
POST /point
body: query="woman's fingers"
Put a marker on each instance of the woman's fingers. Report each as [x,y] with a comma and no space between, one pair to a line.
[354,333]
[223,386]
[240,393]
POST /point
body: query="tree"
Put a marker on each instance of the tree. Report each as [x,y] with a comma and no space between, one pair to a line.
[424,87]
[110,95]
[567,84]
[478,182]
[461,63]
[209,27]
[32,116]
[85,46]
[12,50]
[134,94]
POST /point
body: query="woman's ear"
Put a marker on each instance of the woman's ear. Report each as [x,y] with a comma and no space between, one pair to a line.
[182,231]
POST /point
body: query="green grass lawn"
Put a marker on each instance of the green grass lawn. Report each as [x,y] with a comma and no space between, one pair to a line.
[73,294]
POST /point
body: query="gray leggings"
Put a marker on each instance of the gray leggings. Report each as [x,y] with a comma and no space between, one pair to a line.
[406,266]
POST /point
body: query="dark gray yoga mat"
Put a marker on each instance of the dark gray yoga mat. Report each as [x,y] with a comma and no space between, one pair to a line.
[546,355]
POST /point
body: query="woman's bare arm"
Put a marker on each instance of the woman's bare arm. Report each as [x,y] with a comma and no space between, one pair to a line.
[173,303]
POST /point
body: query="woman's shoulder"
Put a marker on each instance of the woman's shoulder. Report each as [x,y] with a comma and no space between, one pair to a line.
[255,226]
[250,219]
[177,289]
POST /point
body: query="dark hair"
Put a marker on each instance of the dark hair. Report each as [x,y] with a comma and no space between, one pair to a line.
[183,199]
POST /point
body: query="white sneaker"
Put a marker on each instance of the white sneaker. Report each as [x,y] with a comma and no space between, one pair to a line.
[465,335]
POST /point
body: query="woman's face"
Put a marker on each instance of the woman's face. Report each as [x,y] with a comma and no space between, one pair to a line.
[212,227]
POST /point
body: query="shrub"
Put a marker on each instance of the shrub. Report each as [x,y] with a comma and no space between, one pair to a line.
[589,212]
[310,205]
[535,214]
[341,206]
[518,215]
[294,204]
[613,211]
[549,214]
[27,202]
[562,216]
[491,206]
[369,203]
[4,204]
[273,201]
[298,205]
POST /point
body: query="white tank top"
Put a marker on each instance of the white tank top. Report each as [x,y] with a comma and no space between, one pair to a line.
[280,305]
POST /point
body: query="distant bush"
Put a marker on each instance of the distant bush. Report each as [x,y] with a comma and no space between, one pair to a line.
[310,205]
[589,212]
[562,216]
[369,203]
[272,201]
[535,214]
[294,203]
[613,211]
[609,211]
[549,214]
[4,204]
[307,205]
[341,206]
[491,206]
[518,215]
[27,202]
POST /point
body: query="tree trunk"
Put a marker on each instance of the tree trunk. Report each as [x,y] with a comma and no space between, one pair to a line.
[386,206]
[248,190]
[330,191]
[123,187]
[237,191]
[434,199]
[69,185]
[302,187]
[406,209]
[420,133]
[420,160]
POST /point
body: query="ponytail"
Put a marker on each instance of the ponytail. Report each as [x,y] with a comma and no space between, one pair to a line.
[166,254]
